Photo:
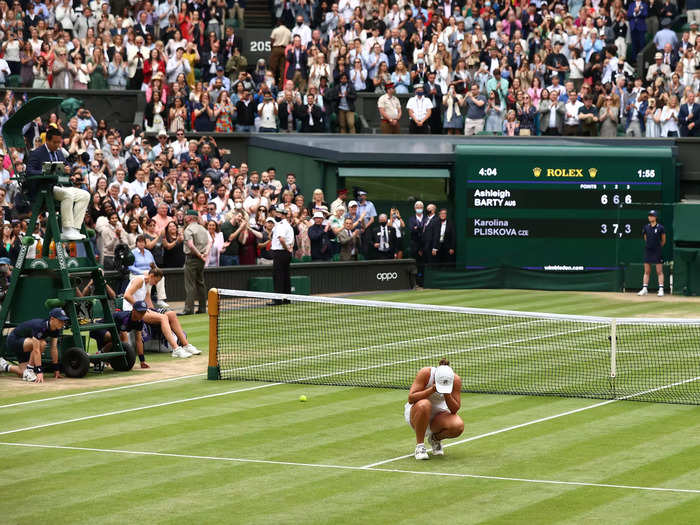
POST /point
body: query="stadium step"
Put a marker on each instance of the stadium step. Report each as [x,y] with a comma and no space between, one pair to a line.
[258,15]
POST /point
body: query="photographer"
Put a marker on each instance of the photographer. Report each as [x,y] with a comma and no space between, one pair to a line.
[451,101]
[109,235]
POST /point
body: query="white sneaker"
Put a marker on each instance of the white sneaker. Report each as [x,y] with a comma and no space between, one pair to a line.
[29,375]
[420,452]
[436,445]
[643,291]
[192,349]
[3,364]
[71,234]
[162,304]
[181,353]
[661,292]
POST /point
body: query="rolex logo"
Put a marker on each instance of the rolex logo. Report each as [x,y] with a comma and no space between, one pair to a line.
[536,171]
[593,172]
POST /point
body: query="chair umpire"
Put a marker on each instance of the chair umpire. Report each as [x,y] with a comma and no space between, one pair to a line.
[282,246]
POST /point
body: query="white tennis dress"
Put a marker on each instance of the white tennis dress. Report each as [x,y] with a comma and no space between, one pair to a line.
[139,295]
[436,399]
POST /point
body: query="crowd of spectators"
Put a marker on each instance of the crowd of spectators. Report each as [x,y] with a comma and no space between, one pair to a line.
[539,67]
[141,193]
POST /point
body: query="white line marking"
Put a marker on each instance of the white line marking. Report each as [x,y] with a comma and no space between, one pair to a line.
[347,467]
[135,409]
[541,420]
[91,392]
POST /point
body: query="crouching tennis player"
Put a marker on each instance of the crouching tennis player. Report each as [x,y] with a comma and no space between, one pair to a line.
[433,403]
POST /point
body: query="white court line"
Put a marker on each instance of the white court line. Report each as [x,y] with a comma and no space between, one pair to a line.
[111,389]
[347,467]
[135,409]
[541,420]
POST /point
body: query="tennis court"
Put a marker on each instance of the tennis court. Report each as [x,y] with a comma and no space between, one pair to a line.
[197,451]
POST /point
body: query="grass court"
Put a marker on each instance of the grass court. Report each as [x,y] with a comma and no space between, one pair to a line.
[196,451]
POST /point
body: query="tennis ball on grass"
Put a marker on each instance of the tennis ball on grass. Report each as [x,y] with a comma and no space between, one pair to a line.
[302,398]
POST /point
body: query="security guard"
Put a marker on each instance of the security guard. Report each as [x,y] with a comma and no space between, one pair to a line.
[654,240]
[282,246]
[195,247]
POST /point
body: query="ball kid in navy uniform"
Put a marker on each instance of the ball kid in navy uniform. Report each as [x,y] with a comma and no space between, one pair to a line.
[28,342]
[654,240]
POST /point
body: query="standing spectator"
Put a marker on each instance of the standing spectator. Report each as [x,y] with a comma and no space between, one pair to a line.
[689,116]
[297,64]
[196,240]
[320,241]
[552,113]
[526,116]
[224,112]
[634,113]
[383,238]
[282,246]
[571,119]
[117,73]
[231,229]
[588,117]
[349,240]
[451,101]
[110,233]
[637,14]
[444,242]
[476,110]
[216,245]
[652,117]
[669,118]
[245,108]
[609,117]
[268,111]
[433,92]
[389,107]
[310,115]
[419,110]
[342,99]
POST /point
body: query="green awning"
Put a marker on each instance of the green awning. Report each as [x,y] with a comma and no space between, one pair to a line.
[404,173]
[35,107]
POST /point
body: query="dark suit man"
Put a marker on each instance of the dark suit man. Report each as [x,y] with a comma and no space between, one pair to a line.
[415,227]
[637,17]
[434,93]
[383,238]
[318,235]
[148,200]
[310,115]
[297,65]
[74,201]
[444,239]
[428,237]
[689,117]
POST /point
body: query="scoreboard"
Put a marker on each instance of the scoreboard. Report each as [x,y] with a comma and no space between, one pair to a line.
[560,208]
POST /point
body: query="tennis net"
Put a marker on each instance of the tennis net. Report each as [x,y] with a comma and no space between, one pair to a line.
[334,341]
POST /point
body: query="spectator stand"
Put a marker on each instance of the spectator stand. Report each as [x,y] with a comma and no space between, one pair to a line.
[43,278]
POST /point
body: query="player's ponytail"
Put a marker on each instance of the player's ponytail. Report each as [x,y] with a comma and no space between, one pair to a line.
[444,361]
[155,271]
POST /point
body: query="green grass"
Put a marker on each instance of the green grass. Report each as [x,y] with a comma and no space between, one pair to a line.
[619,443]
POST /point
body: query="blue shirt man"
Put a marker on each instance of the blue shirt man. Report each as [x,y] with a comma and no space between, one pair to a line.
[365,209]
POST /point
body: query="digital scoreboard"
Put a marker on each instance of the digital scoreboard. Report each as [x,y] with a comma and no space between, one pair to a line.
[559,208]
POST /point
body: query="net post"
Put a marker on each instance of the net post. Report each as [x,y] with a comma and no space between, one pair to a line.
[213,371]
[613,348]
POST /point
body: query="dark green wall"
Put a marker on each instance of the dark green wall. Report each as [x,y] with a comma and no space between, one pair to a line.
[310,172]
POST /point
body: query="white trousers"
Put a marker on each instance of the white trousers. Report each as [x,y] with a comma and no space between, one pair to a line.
[74,204]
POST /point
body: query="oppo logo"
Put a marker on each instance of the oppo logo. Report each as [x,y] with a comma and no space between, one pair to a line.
[387,276]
